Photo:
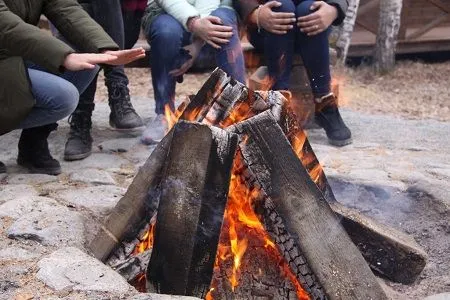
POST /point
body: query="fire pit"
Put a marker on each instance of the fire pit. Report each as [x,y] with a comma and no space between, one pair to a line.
[233,204]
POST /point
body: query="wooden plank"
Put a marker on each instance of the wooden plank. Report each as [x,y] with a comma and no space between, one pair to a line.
[388,251]
[404,19]
[332,257]
[368,26]
[194,192]
[135,209]
[436,22]
[368,7]
[438,3]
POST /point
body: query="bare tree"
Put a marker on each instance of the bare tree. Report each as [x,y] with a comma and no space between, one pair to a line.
[386,42]
[345,31]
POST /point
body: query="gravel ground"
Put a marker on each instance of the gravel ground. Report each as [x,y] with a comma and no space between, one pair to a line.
[414,90]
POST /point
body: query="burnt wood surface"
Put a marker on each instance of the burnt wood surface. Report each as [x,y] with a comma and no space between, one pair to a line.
[136,207]
[194,192]
[332,257]
[391,253]
[388,251]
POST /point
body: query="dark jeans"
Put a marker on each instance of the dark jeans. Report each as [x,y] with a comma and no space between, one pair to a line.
[279,51]
[167,37]
[108,14]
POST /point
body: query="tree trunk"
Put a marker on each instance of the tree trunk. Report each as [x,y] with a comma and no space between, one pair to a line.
[346,30]
[388,28]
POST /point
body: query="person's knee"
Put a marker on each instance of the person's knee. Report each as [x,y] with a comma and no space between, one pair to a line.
[67,97]
[304,8]
[287,6]
[164,28]
[227,15]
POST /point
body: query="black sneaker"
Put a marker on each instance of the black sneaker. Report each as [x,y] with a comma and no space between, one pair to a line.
[122,116]
[34,153]
[2,168]
[328,117]
[79,142]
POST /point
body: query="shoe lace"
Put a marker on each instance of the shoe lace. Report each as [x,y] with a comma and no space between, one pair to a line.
[119,95]
[80,125]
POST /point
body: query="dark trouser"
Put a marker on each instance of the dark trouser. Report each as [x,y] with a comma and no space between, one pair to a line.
[167,37]
[280,49]
[108,14]
[131,26]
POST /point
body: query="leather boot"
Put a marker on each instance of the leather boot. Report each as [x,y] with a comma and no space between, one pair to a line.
[79,142]
[122,116]
[34,153]
[328,117]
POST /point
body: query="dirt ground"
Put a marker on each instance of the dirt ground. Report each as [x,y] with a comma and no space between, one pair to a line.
[414,90]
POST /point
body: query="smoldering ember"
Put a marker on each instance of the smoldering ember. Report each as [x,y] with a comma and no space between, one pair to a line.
[232,204]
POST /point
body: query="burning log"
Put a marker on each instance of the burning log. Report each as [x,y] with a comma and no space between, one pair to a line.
[333,258]
[136,207]
[388,251]
[194,192]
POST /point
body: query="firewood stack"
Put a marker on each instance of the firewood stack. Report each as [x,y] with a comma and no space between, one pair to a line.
[241,209]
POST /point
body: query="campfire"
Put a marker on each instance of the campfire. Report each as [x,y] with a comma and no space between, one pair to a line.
[233,204]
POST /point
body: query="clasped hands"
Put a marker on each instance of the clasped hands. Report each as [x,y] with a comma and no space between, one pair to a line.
[321,17]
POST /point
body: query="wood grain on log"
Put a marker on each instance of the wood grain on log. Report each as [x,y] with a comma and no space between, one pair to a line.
[135,209]
[194,191]
[333,258]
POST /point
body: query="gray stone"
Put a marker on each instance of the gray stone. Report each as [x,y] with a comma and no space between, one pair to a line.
[72,269]
[368,174]
[93,176]
[99,199]
[25,204]
[444,296]
[150,296]
[58,226]
[443,173]
[31,179]
[16,253]
[118,145]
[96,161]
[3,176]
[13,191]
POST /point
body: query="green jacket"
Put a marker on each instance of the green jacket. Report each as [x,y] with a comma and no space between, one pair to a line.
[21,40]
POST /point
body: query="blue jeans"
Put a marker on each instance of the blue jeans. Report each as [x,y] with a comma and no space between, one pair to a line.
[279,51]
[56,96]
[167,37]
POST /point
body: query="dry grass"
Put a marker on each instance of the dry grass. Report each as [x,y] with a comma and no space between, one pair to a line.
[414,90]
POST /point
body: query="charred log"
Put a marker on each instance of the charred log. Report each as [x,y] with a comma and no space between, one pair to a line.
[317,232]
[135,209]
[194,191]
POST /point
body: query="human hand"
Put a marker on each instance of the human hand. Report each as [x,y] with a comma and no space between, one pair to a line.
[274,22]
[124,57]
[83,61]
[318,21]
[193,50]
[211,30]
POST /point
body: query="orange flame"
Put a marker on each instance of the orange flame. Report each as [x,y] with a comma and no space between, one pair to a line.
[146,242]
[243,221]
